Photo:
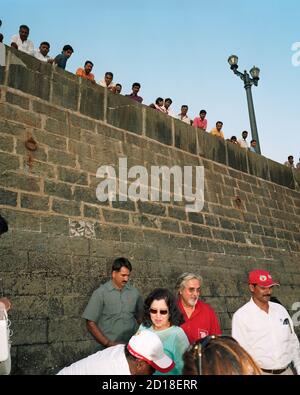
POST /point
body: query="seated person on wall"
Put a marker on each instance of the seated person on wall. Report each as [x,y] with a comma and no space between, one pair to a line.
[86,71]
[107,82]
[217,131]
[5,305]
[200,318]
[20,41]
[200,122]
[162,316]
[115,309]
[290,162]
[42,53]
[136,86]
[143,355]
[183,115]
[218,355]
[61,59]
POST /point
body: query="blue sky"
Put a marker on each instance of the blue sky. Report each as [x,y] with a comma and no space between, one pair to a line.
[179,49]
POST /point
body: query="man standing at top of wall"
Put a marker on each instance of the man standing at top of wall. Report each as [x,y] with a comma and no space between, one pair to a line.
[217,131]
[200,122]
[20,41]
[183,115]
[265,329]
[200,318]
[290,162]
[115,309]
[243,141]
[107,82]
[136,86]
[86,71]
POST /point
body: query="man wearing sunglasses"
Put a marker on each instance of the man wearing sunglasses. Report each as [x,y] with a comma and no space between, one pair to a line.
[265,329]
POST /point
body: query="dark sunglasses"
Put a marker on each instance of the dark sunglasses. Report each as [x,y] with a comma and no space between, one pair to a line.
[155,311]
[198,347]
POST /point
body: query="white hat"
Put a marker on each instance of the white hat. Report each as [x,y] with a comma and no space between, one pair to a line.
[146,345]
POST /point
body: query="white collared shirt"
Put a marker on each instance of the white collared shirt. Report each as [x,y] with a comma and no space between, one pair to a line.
[185,119]
[111,361]
[243,143]
[103,83]
[40,56]
[24,46]
[268,337]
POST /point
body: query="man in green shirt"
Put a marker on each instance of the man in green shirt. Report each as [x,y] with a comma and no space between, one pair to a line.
[115,309]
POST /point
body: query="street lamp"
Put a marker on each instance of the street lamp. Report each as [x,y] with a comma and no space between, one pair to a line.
[248,82]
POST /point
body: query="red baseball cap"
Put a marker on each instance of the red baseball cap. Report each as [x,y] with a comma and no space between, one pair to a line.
[261,278]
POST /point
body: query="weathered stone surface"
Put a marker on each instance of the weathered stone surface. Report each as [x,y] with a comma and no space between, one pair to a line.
[92,100]
[237,157]
[33,202]
[281,175]
[8,198]
[62,240]
[29,81]
[66,208]
[17,100]
[124,113]
[65,92]
[158,126]
[258,165]
[185,137]
[211,147]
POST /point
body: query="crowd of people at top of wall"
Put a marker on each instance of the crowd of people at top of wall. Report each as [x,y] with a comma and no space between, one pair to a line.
[21,42]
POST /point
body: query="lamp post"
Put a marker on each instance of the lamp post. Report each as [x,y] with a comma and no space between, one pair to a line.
[248,82]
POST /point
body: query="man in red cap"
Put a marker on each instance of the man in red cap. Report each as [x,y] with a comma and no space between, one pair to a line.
[265,329]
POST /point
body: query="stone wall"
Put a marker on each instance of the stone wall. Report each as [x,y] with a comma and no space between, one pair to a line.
[62,240]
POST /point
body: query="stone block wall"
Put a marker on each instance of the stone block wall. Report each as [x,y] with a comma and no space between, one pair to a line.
[62,240]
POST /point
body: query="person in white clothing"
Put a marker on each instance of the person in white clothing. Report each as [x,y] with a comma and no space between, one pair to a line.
[107,82]
[20,41]
[42,53]
[243,141]
[5,305]
[143,355]
[183,115]
[265,329]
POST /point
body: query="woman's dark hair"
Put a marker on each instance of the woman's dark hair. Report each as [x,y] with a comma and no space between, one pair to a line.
[159,99]
[175,316]
[219,355]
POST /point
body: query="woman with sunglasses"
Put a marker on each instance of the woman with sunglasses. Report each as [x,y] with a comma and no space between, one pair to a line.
[162,316]
[218,355]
